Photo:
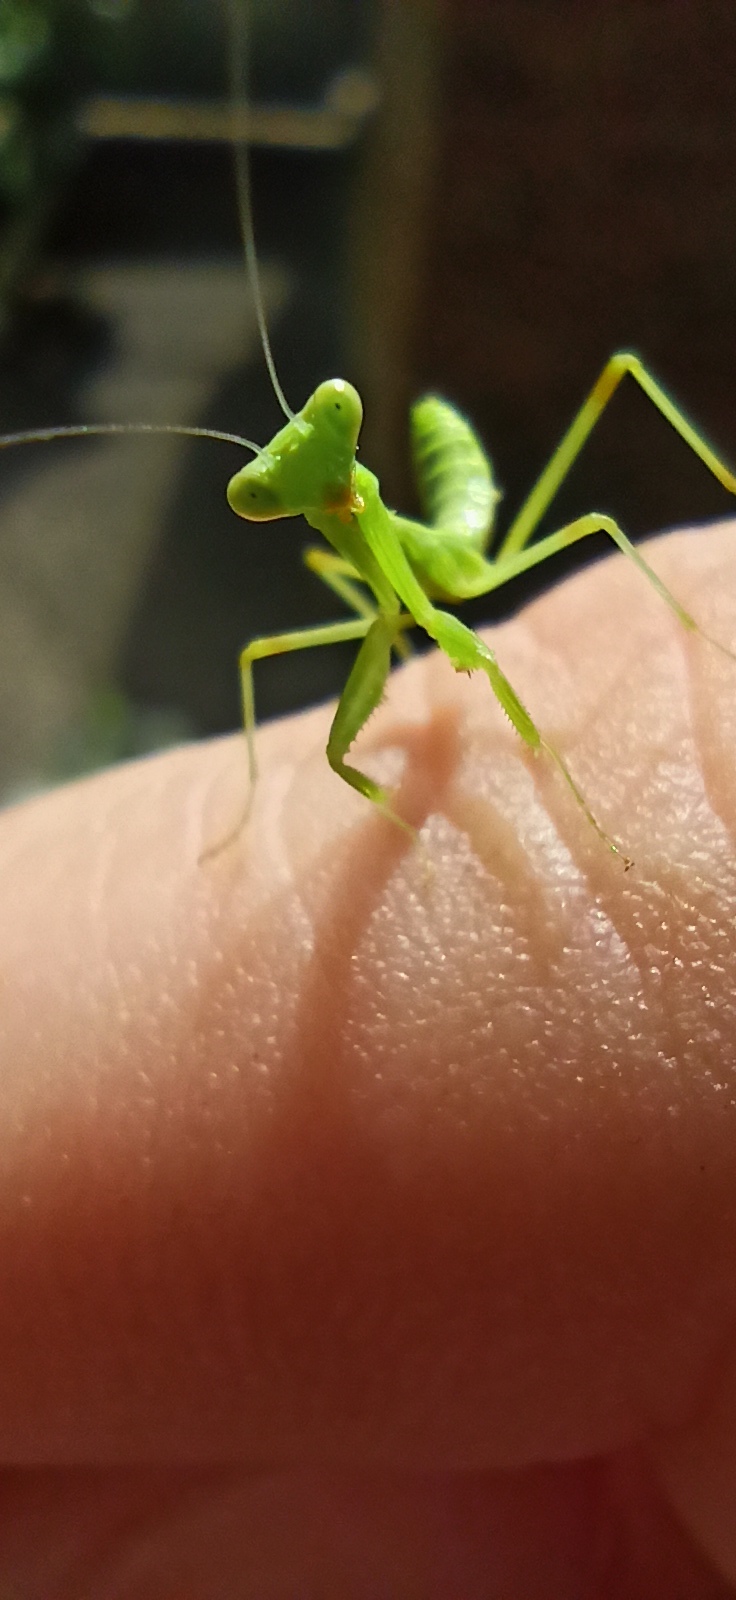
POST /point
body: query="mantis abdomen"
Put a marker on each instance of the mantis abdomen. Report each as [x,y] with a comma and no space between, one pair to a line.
[453,472]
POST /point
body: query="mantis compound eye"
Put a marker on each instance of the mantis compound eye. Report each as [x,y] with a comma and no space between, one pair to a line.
[251,495]
[336,404]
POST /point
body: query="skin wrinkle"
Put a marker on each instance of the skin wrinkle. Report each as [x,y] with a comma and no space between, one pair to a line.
[496,843]
[580,844]
[330,1052]
[585,849]
[201,800]
[620,915]
[501,846]
[432,754]
[351,899]
[264,1174]
[593,868]
[493,838]
[706,654]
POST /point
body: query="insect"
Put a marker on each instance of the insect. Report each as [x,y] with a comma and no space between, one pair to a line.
[390,570]
[393,573]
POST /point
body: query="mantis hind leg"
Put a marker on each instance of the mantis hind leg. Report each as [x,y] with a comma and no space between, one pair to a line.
[617,368]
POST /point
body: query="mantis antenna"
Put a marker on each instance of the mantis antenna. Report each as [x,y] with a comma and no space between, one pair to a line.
[79,430]
[238,55]
[238,59]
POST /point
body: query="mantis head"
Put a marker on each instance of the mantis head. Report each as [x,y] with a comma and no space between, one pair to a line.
[309,465]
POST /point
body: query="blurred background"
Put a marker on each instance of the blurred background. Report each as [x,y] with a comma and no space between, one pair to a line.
[482,197]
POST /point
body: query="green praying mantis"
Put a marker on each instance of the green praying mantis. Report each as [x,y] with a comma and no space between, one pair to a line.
[390,570]
[394,573]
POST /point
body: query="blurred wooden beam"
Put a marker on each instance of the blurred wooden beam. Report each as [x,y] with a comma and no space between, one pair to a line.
[333,124]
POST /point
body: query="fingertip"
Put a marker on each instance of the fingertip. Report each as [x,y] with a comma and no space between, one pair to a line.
[384,1141]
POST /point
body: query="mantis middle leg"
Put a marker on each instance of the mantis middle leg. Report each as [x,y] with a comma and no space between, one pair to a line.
[359,698]
[279,644]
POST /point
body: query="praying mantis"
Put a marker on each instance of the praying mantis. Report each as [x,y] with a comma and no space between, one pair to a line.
[395,574]
[310,469]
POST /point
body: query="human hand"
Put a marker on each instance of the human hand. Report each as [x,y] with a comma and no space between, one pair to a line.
[368,1213]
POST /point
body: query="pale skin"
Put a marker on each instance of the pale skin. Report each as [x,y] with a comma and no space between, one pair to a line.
[361,1226]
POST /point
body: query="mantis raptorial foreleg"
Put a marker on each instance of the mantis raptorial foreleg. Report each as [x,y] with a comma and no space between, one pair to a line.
[362,694]
[528,518]
[360,697]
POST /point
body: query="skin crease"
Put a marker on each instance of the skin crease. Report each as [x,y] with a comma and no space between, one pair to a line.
[368,1212]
